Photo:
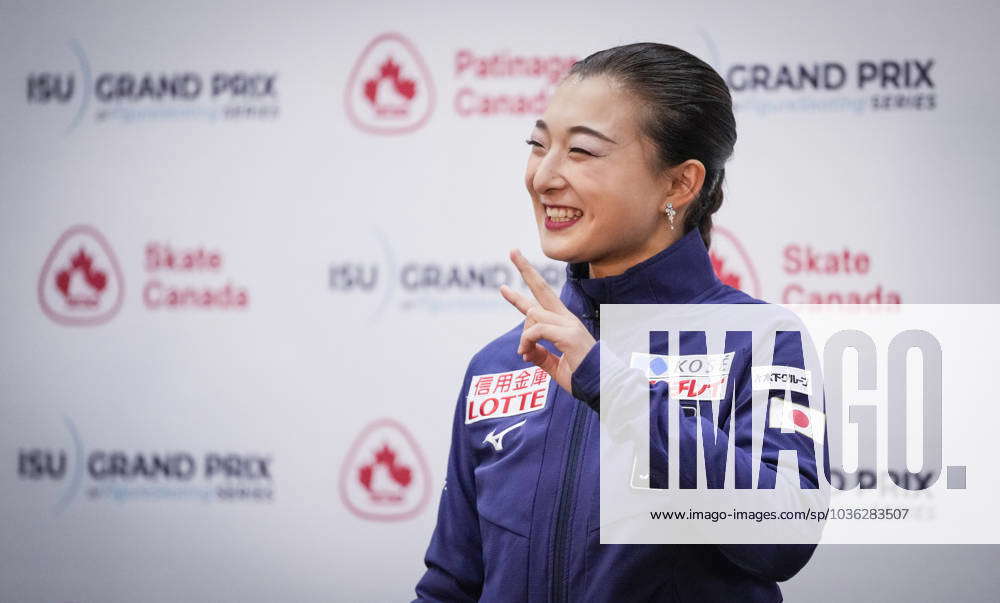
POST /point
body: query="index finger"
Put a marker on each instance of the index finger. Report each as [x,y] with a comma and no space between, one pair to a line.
[541,290]
[519,301]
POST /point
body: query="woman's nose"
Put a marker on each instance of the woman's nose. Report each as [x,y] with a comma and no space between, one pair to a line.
[548,175]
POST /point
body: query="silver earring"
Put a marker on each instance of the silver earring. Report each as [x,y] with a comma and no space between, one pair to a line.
[671,212]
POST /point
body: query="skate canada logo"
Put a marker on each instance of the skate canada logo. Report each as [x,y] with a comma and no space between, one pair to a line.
[177,279]
[384,476]
[850,270]
[732,263]
[506,83]
[81,282]
[389,90]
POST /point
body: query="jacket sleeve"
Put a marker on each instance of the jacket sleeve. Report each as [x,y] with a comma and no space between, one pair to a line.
[454,557]
[776,562]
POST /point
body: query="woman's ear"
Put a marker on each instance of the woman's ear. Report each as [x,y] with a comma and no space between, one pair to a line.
[686,180]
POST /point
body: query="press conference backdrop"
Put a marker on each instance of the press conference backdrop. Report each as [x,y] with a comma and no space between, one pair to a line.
[249,249]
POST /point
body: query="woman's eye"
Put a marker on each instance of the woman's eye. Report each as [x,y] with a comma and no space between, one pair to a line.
[535,143]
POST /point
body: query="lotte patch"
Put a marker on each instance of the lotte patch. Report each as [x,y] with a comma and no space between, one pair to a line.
[506,394]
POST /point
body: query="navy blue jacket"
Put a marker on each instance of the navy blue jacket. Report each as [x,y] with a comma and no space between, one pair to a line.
[520,522]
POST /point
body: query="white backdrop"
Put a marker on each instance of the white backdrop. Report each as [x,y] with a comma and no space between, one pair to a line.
[282,281]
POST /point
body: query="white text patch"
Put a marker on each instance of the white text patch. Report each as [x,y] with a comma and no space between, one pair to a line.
[691,377]
[782,377]
[506,394]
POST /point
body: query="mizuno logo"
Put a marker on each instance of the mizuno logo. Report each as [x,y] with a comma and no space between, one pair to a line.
[497,438]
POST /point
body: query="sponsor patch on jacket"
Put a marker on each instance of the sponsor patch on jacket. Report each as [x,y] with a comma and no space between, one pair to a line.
[782,377]
[786,414]
[691,377]
[506,394]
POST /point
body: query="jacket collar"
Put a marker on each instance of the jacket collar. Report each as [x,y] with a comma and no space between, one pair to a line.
[676,275]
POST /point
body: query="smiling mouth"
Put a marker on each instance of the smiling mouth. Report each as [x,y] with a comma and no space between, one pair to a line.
[557,213]
[559,217]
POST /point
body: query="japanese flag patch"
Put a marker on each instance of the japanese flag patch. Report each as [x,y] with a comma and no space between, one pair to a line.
[497,395]
[797,417]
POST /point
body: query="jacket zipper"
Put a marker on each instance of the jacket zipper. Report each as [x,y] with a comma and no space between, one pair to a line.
[561,534]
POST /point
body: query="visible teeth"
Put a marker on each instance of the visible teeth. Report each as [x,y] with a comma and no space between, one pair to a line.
[562,214]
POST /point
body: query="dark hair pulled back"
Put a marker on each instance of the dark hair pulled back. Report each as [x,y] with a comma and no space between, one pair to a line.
[688,113]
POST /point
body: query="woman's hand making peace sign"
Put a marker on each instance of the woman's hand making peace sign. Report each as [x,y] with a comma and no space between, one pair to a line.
[546,317]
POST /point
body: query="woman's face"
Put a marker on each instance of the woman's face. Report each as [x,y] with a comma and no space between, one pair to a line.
[588,163]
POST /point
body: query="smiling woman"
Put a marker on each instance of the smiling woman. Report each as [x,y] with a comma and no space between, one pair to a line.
[618,150]
[624,172]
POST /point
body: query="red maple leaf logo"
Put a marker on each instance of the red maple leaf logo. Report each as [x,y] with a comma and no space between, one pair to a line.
[90,282]
[394,476]
[389,69]
[730,278]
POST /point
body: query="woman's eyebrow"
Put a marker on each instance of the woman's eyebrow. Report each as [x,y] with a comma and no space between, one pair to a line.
[580,129]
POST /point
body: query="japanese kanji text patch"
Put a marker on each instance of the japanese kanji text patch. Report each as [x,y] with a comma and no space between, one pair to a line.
[506,394]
